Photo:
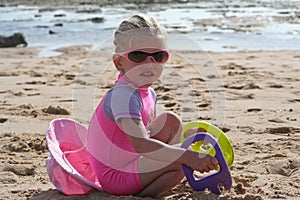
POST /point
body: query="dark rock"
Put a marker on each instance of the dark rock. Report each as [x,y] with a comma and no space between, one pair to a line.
[96,20]
[59,24]
[52,32]
[59,15]
[14,40]
[41,26]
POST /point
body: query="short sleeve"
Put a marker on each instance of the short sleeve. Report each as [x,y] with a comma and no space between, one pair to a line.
[124,102]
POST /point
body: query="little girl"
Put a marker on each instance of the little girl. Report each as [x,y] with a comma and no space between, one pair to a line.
[132,149]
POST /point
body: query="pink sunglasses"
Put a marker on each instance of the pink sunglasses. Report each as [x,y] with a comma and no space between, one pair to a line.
[139,56]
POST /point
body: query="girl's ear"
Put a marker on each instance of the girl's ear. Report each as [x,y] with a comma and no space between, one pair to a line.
[118,62]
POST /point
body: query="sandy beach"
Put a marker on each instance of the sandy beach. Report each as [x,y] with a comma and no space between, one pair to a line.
[252,95]
[259,111]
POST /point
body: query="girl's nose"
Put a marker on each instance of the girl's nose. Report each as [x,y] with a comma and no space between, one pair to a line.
[149,63]
[149,59]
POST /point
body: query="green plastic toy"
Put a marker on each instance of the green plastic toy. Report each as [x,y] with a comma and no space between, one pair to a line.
[221,137]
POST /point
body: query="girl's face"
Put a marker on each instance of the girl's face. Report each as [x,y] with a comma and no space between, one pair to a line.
[143,66]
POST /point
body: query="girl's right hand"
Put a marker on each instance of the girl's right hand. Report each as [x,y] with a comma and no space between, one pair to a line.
[199,161]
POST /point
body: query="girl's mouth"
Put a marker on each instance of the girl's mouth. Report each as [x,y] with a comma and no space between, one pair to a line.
[147,74]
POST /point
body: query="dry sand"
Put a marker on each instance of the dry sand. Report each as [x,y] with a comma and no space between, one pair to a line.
[259,111]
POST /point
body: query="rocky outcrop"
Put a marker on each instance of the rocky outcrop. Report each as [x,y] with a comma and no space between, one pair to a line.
[14,40]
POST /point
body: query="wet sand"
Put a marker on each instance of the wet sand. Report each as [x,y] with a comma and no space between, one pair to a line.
[218,26]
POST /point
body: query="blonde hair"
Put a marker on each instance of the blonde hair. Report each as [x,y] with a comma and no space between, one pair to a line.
[137,23]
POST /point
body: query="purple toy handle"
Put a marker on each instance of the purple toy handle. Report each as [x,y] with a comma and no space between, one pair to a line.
[211,181]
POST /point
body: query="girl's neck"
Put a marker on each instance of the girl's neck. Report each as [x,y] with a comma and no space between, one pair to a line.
[122,77]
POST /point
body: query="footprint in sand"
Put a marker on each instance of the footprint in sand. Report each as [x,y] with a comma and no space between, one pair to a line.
[243,192]
[26,110]
[248,86]
[231,66]
[9,73]
[206,118]
[276,120]
[34,94]
[33,73]
[232,73]
[17,146]
[275,85]
[165,97]
[161,89]
[294,100]
[279,130]
[70,76]
[195,93]
[33,83]
[18,94]
[2,120]
[238,95]
[8,178]
[29,89]
[239,188]
[246,129]
[287,167]
[196,79]
[171,104]
[203,105]
[254,110]
[5,91]
[20,169]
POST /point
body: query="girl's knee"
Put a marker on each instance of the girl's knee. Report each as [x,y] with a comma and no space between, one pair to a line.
[166,128]
[174,125]
[172,119]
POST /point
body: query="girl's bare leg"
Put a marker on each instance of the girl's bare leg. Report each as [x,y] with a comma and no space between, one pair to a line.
[167,128]
[159,177]
[160,181]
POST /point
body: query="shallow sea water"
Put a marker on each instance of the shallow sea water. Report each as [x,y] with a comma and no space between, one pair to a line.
[218,26]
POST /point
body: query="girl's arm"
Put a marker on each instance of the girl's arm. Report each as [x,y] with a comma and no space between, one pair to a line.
[157,150]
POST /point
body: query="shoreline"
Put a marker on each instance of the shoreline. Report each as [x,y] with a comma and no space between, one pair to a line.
[94,2]
[209,25]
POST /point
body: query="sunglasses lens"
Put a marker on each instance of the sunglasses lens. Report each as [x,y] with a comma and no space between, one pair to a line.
[137,56]
[160,56]
[140,56]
